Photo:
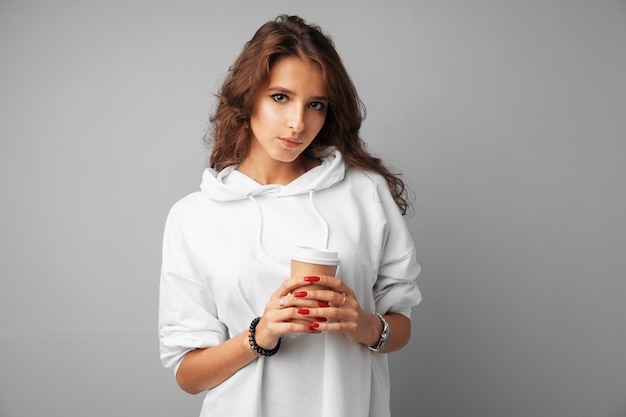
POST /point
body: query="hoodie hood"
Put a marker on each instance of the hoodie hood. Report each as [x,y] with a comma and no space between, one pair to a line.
[231,185]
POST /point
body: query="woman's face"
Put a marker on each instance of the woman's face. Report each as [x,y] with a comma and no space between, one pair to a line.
[289,111]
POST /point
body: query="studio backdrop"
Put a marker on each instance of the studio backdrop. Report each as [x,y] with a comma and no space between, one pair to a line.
[506,118]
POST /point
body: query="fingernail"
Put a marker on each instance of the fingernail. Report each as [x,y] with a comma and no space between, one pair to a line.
[304,311]
[321,319]
[313,326]
[300,294]
[312,278]
[323,304]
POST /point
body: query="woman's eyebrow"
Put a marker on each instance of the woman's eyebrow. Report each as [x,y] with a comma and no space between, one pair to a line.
[287,91]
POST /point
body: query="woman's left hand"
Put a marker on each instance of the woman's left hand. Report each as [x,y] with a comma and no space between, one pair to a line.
[340,311]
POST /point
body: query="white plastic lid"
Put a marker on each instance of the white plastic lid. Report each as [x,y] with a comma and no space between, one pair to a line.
[315,256]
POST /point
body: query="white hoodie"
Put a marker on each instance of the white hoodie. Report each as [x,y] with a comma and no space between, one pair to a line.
[228,247]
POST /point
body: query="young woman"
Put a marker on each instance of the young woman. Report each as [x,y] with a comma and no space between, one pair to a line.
[288,168]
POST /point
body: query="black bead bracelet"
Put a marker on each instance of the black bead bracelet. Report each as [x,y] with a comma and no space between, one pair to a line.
[256,348]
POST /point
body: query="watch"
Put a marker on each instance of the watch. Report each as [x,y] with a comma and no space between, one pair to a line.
[385,336]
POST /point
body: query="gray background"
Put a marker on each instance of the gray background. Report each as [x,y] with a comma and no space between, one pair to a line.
[507,118]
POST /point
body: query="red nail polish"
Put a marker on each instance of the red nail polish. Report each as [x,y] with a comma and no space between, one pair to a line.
[323,304]
[300,294]
[313,326]
[311,278]
[304,311]
[321,319]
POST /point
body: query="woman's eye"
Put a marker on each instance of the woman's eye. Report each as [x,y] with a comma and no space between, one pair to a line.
[279,98]
[317,105]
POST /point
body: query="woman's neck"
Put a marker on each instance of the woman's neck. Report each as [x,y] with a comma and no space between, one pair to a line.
[270,171]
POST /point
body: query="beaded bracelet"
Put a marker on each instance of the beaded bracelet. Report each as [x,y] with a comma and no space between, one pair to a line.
[256,348]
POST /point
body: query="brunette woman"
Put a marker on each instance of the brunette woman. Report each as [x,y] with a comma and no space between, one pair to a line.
[288,168]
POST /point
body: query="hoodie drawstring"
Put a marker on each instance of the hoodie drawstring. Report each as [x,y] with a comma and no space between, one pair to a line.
[260,233]
[319,216]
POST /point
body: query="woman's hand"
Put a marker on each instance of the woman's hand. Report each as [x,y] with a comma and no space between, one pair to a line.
[288,311]
[340,311]
[328,305]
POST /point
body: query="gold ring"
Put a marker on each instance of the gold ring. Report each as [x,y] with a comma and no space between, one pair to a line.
[280,302]
[344,299]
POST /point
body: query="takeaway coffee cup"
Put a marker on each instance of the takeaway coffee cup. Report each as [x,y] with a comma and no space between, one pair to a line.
[310,261]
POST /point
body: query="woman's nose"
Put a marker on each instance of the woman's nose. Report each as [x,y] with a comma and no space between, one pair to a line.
[296,119]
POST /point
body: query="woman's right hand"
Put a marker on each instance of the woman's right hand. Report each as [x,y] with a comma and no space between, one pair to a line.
[286,312]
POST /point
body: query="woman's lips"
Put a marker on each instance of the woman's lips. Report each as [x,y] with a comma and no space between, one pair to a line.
[290,142]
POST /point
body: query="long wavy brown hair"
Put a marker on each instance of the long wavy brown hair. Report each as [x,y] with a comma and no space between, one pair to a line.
[291,36]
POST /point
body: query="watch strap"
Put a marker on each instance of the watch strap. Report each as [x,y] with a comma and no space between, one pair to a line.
[385,335]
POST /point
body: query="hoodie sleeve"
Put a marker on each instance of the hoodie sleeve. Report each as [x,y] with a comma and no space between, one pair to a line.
[395,289]
[187,312]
